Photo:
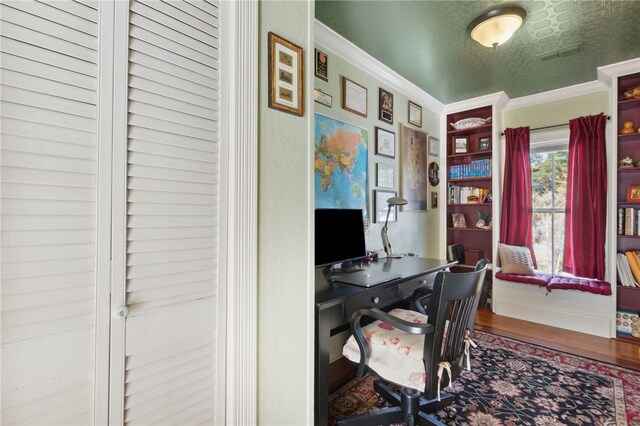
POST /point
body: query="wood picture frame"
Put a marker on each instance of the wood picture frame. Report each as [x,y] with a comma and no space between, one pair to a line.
[414,161]
[321,65]
[354,97]
[385,142]
[385,175]
[484,144]
[460,145]
[415,114]
[385,106]
[434,200]
[380,206]
[633,194]
[285,76]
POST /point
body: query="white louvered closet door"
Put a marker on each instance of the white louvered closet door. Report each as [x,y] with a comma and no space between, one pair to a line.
[170,337]
[49,81]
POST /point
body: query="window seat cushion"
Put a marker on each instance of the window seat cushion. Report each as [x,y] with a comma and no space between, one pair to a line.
[582,284]
[540,278]
[551,282]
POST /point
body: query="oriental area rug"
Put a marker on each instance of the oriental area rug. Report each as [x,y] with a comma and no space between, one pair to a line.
[513,383]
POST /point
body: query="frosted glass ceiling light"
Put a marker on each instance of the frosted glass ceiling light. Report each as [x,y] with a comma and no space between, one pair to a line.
[496,26]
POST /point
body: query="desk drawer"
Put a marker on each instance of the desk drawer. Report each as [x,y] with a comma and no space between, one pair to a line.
[374,298]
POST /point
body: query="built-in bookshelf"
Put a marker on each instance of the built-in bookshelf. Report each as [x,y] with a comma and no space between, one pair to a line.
[469,184]
[628,198]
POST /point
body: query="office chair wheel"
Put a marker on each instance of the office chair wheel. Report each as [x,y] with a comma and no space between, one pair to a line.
[382,403]
[452,413]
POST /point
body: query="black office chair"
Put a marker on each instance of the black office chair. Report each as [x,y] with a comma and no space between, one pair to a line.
[402,345]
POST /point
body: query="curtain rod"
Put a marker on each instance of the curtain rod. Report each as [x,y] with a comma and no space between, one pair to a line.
[553,126]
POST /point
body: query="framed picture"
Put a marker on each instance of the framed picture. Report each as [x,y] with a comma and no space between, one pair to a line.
[460,145]
[415,114]
[285,75]
[414,162]
[633,194]
[484,144]
[322,66]
[385,143]
[380,206]
[354,97]
[384,175]
[434,146]
[385,112]
[434,200]
[458,221]
[322,98]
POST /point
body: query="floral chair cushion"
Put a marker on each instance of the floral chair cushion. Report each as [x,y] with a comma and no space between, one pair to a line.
[395,355]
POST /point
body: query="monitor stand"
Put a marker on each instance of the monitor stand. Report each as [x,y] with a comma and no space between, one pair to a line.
[348,267]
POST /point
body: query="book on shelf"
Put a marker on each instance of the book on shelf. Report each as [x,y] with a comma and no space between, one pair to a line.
[471,170]
[628,267]
[459,194]
[628,222]
[456,252]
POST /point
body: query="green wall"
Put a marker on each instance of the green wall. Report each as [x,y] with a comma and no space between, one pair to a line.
[557,112]
[285,266]
[414,232]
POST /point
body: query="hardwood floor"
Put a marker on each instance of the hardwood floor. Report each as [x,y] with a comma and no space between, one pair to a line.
[614,351]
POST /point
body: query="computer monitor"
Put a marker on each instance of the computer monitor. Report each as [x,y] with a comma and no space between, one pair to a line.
[339,236]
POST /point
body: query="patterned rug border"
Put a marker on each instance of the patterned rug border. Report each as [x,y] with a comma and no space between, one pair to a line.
[625,381]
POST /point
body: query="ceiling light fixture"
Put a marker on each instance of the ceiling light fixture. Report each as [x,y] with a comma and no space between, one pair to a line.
[495,27]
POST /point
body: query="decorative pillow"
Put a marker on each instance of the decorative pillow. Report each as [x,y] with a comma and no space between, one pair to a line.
[515,260]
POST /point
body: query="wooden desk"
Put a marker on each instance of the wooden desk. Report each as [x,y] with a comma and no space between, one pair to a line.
[336,302]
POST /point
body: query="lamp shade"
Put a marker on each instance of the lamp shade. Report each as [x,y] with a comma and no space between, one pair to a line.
[396,201]
[496,26]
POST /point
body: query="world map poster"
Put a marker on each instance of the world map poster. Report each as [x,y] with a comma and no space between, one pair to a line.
[340,165]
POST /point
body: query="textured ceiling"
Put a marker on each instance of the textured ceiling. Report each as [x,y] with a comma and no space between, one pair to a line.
[427,42]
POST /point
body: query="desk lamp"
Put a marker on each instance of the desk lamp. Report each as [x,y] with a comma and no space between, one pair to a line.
[393,201]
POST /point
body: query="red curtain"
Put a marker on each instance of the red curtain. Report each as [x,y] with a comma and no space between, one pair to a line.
[516,221]
[586,197]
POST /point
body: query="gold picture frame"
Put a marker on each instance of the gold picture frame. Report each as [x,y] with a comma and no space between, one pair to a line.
[285,76]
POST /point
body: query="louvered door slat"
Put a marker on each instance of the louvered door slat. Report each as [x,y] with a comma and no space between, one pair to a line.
[172,212]
[48,71]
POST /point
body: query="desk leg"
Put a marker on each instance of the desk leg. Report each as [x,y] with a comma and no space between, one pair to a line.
[323,334]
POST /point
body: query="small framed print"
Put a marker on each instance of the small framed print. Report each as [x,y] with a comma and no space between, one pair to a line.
[633,194]
[354,97]
[322,66]
[381,206]
[384,175]
[434,146]
[285,76]
[415,114]
[385,143]
[460,145]
[458,221]
[434,200]
[484,144]
[322,98]
[385,112]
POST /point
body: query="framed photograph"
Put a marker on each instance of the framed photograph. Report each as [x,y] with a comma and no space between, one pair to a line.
[384,175]
[322,66]
[354,97]
[322,98]
[484,144]
[434,146]
[415,114]
[414,161]
[380,206]
[460,145]
[633,194]
[434,200]
[385,112]
[285,76]
[458,221]
[385,143]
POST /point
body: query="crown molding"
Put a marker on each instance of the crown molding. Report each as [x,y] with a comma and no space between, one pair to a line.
[607,72]
[556,94]
[335,43]
[494,99]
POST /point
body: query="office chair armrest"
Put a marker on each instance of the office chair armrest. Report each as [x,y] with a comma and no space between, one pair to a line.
[361,340]
[418,295]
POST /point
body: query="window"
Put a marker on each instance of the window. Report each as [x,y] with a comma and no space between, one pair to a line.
[549,193]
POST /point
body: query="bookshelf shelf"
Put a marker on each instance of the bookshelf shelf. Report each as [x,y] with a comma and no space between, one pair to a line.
[471,154]
[476,179]
[469,204]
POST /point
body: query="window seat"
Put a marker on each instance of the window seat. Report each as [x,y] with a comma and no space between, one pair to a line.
[551,282]
[531,298]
